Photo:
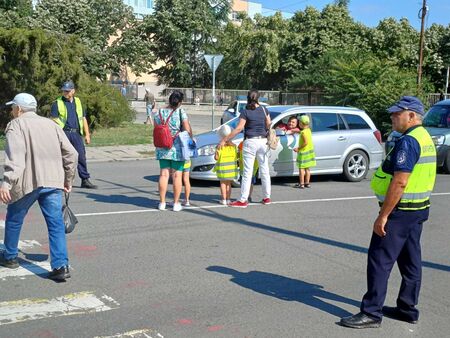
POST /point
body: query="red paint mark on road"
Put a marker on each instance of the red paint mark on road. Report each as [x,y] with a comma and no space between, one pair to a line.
[135,284]
[43,334]
[215,328]
[184,321]
[81,250]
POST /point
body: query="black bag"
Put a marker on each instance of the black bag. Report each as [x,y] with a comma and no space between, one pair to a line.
[70,220]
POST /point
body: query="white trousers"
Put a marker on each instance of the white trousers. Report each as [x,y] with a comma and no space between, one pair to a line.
[255,148]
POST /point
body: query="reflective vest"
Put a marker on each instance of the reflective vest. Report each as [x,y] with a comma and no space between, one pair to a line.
[226,165]
[306,157]
[421,181]
[62,113]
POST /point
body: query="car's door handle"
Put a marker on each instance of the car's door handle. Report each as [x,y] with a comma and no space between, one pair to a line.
[341,138]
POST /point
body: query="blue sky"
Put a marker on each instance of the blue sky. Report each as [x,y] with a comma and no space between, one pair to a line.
[370,12]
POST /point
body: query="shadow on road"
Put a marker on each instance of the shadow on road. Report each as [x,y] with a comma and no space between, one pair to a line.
[288,289]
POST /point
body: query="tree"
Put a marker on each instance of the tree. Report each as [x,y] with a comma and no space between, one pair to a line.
[15,13]
[36,62]
[97,23]
[181,31]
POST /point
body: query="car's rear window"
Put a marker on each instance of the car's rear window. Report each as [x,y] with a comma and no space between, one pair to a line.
[355,122]
[438,117]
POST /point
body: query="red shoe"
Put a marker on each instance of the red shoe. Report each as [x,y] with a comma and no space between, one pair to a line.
[266,201]
[239,204]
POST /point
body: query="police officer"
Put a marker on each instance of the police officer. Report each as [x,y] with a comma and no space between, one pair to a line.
[403,186]
[68,113]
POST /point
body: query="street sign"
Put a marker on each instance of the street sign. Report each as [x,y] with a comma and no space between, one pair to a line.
[213,60]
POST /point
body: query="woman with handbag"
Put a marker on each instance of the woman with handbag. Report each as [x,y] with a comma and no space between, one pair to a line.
[255,121]
[171,158]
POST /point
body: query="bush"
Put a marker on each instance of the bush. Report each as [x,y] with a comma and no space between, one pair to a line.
[38,62]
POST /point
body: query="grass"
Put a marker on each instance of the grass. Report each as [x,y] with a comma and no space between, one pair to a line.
[125,134]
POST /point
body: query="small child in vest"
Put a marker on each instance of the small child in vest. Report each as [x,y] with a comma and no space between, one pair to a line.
[241,170]
[226,165]
[306,157]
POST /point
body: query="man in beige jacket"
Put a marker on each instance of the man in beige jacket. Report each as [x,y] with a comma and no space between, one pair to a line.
[39,164]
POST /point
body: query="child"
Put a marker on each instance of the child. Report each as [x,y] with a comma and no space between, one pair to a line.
[241,170]
[226,165]
[306,157]
[187,183]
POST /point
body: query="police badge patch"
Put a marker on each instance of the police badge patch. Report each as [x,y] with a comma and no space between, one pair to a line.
[401,157]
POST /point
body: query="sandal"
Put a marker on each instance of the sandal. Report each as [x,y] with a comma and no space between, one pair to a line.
[298,185]
[308,185]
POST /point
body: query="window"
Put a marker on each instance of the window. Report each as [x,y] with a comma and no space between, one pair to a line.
[356,122]
[438,117]
[324,122]
[149,4]
[341,123]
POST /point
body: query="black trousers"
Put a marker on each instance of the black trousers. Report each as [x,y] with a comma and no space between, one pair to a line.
[77,141]
[402,245]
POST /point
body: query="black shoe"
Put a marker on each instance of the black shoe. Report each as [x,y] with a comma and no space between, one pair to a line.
[9,263]
[60,274]
[360,321]
[397,314]
[85,183]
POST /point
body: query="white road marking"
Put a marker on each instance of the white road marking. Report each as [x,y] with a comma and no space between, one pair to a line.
[72,304]
[145,333]
[25,269]
[139,211]
[26,244]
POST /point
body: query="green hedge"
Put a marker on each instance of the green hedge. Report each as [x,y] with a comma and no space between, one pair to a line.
[38,62]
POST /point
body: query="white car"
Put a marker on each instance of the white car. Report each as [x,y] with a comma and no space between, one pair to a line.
[346,141]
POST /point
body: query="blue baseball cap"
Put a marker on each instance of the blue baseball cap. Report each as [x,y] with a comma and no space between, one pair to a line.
[23,100]
[67,86]
[408,103]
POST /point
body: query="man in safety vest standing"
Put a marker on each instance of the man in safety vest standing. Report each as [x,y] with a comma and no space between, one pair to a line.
[402,185]
[69,114]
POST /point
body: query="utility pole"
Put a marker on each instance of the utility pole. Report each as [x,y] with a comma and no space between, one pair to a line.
[422,14]
[446,82]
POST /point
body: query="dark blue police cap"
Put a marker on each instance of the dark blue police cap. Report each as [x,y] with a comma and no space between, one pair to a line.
[408,103]
[67,86]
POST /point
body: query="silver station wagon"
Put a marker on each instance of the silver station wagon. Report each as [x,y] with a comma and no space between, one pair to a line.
[346,141]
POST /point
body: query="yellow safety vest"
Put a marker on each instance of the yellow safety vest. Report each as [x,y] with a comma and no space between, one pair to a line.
[226,165]
[62,113]
[306,157]
[421,181]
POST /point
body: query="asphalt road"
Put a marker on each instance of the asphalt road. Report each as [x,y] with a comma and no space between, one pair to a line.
[290,269]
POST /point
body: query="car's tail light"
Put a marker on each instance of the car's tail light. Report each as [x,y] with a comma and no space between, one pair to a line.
[377,135]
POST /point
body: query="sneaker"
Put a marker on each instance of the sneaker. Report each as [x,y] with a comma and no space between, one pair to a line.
[162,206]
[12,263]
[239,204]
[266,201]
[60,275]
[177,207]
[223,202]
[228,202]
[186,204]
[85,183]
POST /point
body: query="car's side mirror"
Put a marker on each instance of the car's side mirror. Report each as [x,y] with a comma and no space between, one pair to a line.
[231,110]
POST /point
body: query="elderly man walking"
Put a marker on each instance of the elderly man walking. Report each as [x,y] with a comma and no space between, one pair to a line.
[403,186]
[39,164]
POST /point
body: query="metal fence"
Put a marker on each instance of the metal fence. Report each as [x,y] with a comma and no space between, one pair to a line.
[434,98]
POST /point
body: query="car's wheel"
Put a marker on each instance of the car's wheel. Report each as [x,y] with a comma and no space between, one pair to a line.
[356,166]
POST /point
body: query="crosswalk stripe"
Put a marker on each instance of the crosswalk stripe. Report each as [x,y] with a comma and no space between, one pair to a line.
[145,333]
[72,304]
[26,244]
[25,269]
